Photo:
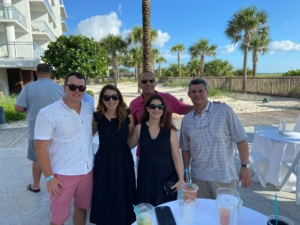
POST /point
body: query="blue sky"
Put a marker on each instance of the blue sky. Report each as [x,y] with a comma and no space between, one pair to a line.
[186,21]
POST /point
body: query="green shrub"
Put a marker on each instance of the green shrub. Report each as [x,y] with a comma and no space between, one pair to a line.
[292,73]
[90,93]
[8,102]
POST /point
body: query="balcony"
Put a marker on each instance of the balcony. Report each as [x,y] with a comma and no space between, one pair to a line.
[41,31]
[63,12]
[20,54]
[9,13]
[64,27]
[43,6]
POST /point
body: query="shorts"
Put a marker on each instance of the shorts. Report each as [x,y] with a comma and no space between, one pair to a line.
[31,153]
[78,186]
[208,189]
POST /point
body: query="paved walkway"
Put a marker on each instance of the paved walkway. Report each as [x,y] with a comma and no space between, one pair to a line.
[19,206]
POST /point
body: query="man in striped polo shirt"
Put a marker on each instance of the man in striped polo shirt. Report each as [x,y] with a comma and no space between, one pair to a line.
[147,83]
[206,139]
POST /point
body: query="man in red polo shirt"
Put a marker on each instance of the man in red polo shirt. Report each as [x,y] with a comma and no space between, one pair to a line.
[147,83]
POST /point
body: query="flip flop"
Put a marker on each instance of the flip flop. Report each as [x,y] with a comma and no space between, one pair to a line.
[30,189]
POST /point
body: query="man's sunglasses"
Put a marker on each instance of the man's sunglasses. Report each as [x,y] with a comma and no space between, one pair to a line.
[114,97]
[153,106]
[73,87]
[145,81]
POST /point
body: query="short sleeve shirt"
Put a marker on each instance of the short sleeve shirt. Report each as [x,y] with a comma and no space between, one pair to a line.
[70,149]
[37,95]
[209,136]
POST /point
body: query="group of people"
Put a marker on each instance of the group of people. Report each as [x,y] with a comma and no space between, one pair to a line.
[62,143]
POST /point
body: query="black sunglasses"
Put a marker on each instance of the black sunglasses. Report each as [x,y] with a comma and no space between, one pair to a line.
[145,81]
[114,97]
[153,106]
[73,87]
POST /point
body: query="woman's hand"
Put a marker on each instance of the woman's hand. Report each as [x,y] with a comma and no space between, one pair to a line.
[177,185]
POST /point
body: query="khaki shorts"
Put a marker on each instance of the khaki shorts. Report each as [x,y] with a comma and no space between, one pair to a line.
[208,189]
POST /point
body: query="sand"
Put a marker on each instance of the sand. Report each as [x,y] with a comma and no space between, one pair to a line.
[240,103]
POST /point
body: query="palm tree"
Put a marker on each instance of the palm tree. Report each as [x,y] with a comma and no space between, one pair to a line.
[201,49]
[194,67]
[113,44]
[155,54]
[178,48]
[147,58]
[160,60]
[239,28]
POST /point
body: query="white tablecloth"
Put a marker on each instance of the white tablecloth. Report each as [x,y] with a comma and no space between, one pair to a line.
[96,146]
[206,211]
[277,148]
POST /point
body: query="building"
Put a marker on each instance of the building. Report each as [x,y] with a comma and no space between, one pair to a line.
[26,29]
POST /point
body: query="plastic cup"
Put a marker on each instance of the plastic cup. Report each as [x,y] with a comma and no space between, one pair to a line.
[190,189]
[282,127]
[281,220]
[228,203]
[187,205]
[146,211]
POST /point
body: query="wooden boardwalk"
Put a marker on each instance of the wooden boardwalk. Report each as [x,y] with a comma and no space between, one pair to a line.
[13,137]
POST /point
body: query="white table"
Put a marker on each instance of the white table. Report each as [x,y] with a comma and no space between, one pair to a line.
[206,211]
[277,149]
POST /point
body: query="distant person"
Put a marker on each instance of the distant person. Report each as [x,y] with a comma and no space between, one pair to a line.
[32,98]
[114,177]
[88,98]
[206,138]
[147,83]
[63,146]
[160,158]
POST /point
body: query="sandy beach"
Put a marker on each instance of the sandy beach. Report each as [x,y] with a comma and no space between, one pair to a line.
[241,103]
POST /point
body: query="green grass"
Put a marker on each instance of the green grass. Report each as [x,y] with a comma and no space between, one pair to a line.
[8,102]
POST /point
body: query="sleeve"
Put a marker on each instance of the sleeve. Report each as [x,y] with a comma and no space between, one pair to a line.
[22,98]
[237,130]
[176,106]
[183,139]
[44,127]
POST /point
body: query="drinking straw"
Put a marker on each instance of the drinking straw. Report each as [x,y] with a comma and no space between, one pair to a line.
[187,176]
[276,209]
[138,212]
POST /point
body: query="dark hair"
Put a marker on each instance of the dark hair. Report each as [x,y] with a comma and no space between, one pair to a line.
[78,75]
[43,68]
[165,120]
[198,81]
[121,108]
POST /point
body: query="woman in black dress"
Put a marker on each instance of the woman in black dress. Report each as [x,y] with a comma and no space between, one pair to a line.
[114,177]
[159,157]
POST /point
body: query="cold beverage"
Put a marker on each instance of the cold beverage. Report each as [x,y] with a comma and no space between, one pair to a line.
[190,189]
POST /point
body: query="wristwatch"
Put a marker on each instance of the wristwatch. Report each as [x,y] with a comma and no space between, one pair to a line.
[246,165]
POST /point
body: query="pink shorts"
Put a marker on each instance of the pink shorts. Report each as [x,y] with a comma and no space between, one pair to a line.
[80,187]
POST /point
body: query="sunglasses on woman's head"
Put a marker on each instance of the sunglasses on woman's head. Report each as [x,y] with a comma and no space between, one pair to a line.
[153,106]
[73,87]
[145,81]
[114,97]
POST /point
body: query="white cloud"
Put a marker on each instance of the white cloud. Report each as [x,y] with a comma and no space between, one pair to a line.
[284,46]
[99,26]
[125,33]
[120,9]
[161,39]
[171,57]
[228,48]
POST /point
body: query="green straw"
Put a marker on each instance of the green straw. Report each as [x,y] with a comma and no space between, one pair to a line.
[138,212]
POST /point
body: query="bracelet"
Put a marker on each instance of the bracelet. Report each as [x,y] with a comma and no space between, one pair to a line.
[49,178]
[186,170]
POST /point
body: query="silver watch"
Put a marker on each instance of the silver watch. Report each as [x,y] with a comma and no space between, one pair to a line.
[246,165]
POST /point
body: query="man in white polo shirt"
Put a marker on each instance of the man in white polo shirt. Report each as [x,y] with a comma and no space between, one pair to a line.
[63,146]
[206,137]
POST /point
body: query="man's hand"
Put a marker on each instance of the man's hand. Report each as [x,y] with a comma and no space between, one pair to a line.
[52,186]
[245,176]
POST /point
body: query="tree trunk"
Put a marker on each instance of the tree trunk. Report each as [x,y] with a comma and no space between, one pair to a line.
[139,72]
[201,65]
[245,70]
[159,68]
[179,66]
[147,57]
[254,61]
[114,60]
